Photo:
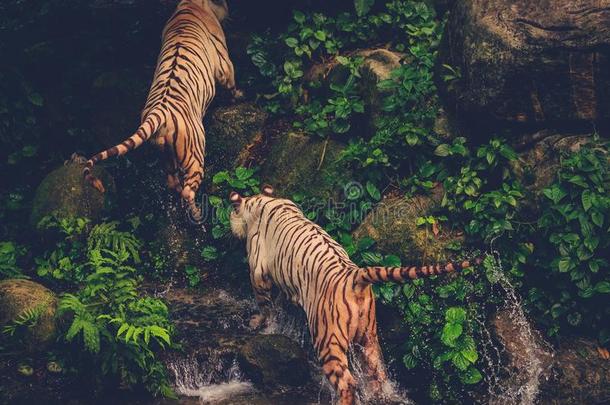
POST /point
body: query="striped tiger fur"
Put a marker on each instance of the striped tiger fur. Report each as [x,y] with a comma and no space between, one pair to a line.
[193,58]
[313,271]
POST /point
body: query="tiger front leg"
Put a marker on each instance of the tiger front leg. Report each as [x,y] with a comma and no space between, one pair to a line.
[262,286]
[191,183]
[226,79]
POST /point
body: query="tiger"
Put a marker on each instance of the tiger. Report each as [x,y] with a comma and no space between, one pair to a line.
[193,57]
[314,272]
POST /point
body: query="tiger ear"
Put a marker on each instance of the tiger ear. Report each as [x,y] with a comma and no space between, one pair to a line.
[267,190]
[235,199]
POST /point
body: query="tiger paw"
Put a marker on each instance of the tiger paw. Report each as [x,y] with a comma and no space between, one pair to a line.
[76,158]
[257,321]
[237,95]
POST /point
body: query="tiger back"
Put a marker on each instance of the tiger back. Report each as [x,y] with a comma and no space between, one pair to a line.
[193,58]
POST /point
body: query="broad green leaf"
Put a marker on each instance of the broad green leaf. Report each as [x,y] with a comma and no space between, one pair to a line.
[363,6]
[455,315]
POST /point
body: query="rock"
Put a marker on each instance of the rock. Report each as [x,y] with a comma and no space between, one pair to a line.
[581,376]
[517,342]
[231,133]
[18,296]
[538,164]
[392,224]
[529,62]
[298,163]
[64,193]
[573,374]
[271,360]
[176,242]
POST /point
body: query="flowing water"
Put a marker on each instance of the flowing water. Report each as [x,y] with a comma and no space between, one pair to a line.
[209,382]
[515,380]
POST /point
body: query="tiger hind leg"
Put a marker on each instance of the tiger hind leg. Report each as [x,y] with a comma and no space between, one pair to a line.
[336,369]
[374,368]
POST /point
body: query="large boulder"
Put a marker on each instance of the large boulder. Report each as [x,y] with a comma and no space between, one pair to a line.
[271,360]
[525,61]
[20,299]
[580,375]
[300,163]
[231,134]
[65,193]
[393,225]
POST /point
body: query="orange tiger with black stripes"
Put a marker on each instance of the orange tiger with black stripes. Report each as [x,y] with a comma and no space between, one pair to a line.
[193,58]
[313,271]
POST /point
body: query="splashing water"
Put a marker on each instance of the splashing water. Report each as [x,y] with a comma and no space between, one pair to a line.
[210,382]
[295,327]
[519,382]
[390,392]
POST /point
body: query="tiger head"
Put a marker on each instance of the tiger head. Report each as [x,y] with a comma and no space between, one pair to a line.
[219,8]
[244,211]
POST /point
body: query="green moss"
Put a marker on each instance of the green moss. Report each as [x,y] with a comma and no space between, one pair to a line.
[300,163]
[18,296]
[64,193]
[393,226]
[229,132]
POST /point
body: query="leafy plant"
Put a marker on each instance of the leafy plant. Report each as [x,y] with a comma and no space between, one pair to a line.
[25,320]
[9,253]
[120,330]
[572,254]
[242,180]
[192,276]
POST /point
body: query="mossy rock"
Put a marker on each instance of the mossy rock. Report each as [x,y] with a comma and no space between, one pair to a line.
[392,224]
[231,133]
[17,297]
[272,360]
[300,163]
[66,194]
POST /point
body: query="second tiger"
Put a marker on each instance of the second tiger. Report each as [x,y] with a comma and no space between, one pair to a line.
[193,58]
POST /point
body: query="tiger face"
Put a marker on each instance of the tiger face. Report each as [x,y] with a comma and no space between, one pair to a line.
[245,212]
[219,8]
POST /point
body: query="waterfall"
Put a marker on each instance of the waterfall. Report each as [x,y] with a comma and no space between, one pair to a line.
[518,382]
[211,381]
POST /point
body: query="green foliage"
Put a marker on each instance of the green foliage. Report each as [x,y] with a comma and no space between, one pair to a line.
[107,236]
[192,275]
[573,253]
[241,180]
[316,37]
[119,330]
[25,320]
[343,102]
[9,254]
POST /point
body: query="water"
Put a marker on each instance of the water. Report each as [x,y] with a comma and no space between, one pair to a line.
[531,357]
[209,382]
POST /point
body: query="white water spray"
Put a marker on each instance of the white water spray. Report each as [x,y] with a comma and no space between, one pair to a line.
[210,382]
[518,383]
